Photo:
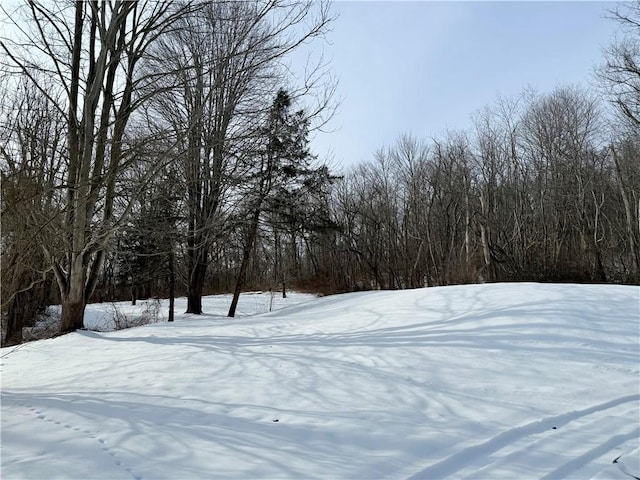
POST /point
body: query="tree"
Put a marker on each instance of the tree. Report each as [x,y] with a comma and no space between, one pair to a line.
[625,154]
[226,63]
[144,256]
[560,137]
[620,75]
[620,79]
[92,51]
[282,176]
[32,136]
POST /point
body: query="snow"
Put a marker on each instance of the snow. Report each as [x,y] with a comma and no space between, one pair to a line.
[482,381]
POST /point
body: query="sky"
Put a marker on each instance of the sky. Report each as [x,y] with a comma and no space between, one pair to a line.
[426,67]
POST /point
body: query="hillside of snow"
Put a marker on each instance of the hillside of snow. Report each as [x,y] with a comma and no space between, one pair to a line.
[496,381]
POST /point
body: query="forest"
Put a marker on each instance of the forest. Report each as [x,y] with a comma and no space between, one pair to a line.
[161,148]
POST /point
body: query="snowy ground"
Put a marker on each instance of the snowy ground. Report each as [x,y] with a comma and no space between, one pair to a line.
[485,382]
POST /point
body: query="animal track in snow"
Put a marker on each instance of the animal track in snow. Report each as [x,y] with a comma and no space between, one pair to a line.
[89,434]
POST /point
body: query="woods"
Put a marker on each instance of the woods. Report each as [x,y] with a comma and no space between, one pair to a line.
[158,148]
[534,193]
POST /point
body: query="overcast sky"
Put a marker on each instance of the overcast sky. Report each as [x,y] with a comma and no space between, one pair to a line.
[424,67]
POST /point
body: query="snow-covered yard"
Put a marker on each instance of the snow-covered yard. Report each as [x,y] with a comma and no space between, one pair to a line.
[483,381]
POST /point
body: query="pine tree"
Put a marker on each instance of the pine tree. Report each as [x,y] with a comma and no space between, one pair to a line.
[283,174]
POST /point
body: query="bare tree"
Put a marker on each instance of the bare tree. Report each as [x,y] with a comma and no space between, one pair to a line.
[620,75]
[410,157]
[92,51]
[625,154]
[31,139]
[226,64]
[620,79]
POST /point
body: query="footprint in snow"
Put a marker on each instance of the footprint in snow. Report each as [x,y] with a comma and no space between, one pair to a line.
[89,434]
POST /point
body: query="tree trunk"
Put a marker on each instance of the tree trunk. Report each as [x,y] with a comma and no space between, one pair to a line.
[194,298]
[485,239]
[601,275]
[246,256]
[72,313]
[195,288]
[15,322]
[276,257]
[172,286]
[73,294]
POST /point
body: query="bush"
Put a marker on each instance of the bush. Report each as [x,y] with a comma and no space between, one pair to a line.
[149,314]
[46,325]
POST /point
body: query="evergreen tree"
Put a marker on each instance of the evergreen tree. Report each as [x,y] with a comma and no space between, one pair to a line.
[283,174]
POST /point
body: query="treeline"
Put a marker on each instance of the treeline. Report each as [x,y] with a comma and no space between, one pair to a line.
[537,191]
[162,148]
